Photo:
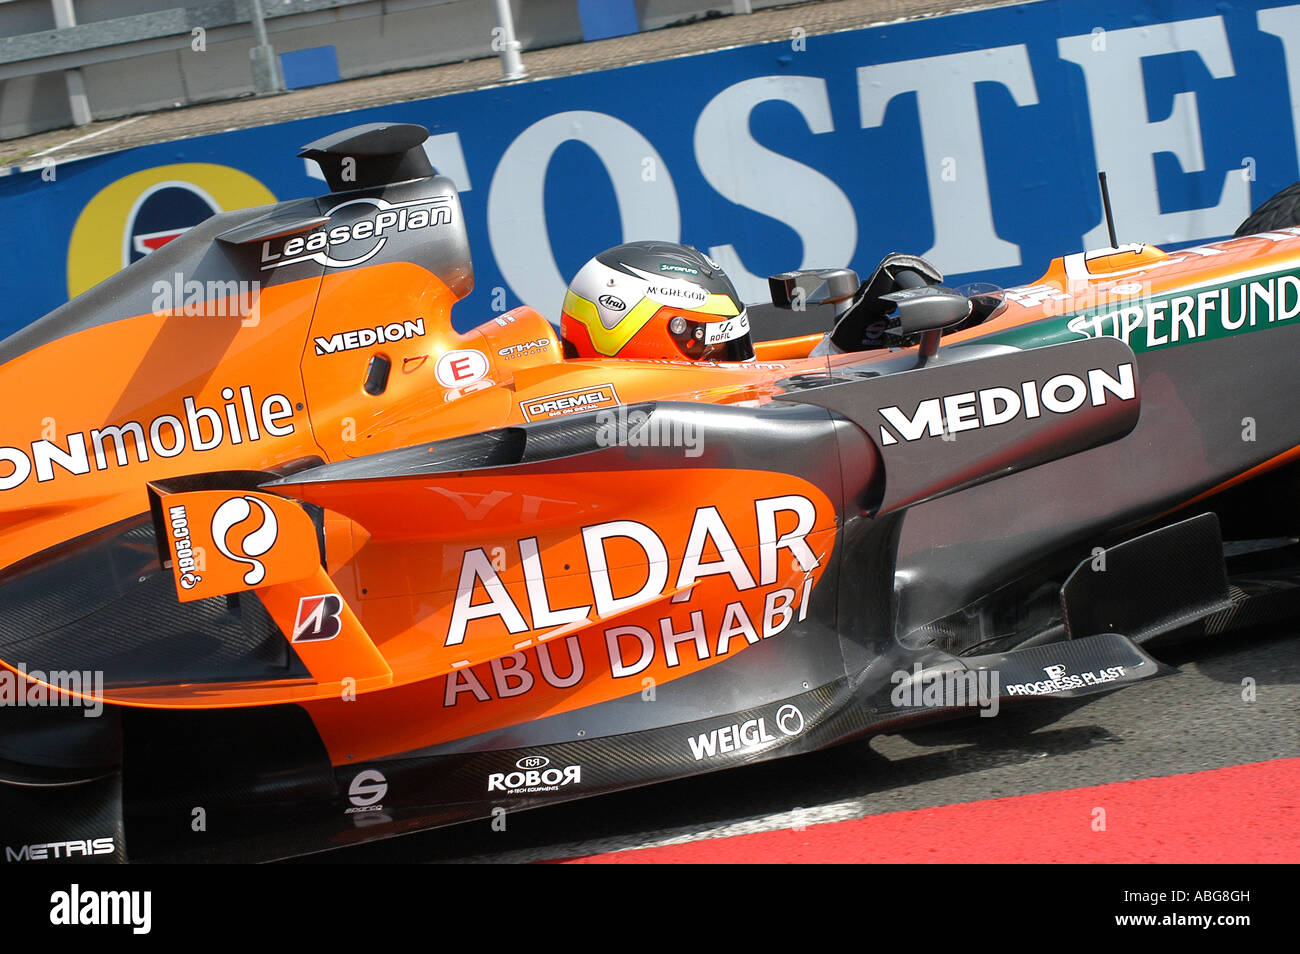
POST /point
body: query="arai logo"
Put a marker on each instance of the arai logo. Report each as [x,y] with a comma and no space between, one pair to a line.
[612,302]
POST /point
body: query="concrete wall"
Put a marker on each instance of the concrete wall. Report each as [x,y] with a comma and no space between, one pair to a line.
[31,104]
[369,37]
[25,16]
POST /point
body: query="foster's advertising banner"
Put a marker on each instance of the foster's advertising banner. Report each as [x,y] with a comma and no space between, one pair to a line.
[971,139]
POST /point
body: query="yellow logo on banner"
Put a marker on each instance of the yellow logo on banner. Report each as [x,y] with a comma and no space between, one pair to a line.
[108,235]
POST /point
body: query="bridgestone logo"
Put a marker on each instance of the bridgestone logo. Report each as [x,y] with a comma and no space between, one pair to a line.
[366,337]
[989,407]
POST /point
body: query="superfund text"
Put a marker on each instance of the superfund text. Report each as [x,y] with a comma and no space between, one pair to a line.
[1195,314]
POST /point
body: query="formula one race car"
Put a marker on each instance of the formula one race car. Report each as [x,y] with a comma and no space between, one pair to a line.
[292,568]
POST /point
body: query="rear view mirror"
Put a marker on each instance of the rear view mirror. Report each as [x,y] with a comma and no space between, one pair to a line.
[987,301]
[814,286]
[926,311]
[929,308]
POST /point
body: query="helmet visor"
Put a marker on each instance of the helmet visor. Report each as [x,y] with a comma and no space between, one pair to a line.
[717,339]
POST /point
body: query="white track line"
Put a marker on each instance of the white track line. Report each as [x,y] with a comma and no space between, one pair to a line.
[97,132]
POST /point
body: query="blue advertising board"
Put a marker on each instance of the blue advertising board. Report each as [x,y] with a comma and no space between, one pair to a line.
[973,139]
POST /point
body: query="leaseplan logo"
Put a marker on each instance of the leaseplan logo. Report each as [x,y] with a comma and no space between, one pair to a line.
[945,416]
[389,219]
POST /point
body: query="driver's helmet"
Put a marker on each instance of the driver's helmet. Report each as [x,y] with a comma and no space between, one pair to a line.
[654,300]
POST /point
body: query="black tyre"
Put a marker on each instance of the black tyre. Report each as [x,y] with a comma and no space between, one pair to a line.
[1282,211]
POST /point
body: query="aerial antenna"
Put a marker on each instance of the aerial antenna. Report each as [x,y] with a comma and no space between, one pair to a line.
[1105,205]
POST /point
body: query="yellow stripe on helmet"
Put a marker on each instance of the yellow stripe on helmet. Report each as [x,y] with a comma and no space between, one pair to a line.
[718,305]
[610,341]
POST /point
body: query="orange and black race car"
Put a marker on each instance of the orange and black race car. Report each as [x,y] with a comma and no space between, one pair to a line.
[287,563]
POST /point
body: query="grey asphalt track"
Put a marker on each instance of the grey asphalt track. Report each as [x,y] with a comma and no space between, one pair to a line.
[1192,721]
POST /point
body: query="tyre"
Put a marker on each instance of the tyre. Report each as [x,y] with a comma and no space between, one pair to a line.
[1280,212]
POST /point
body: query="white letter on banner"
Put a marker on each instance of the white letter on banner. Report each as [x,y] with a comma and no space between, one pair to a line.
[772,184]
[516,210]
[964,237]
[1284,23]
[1126,140]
